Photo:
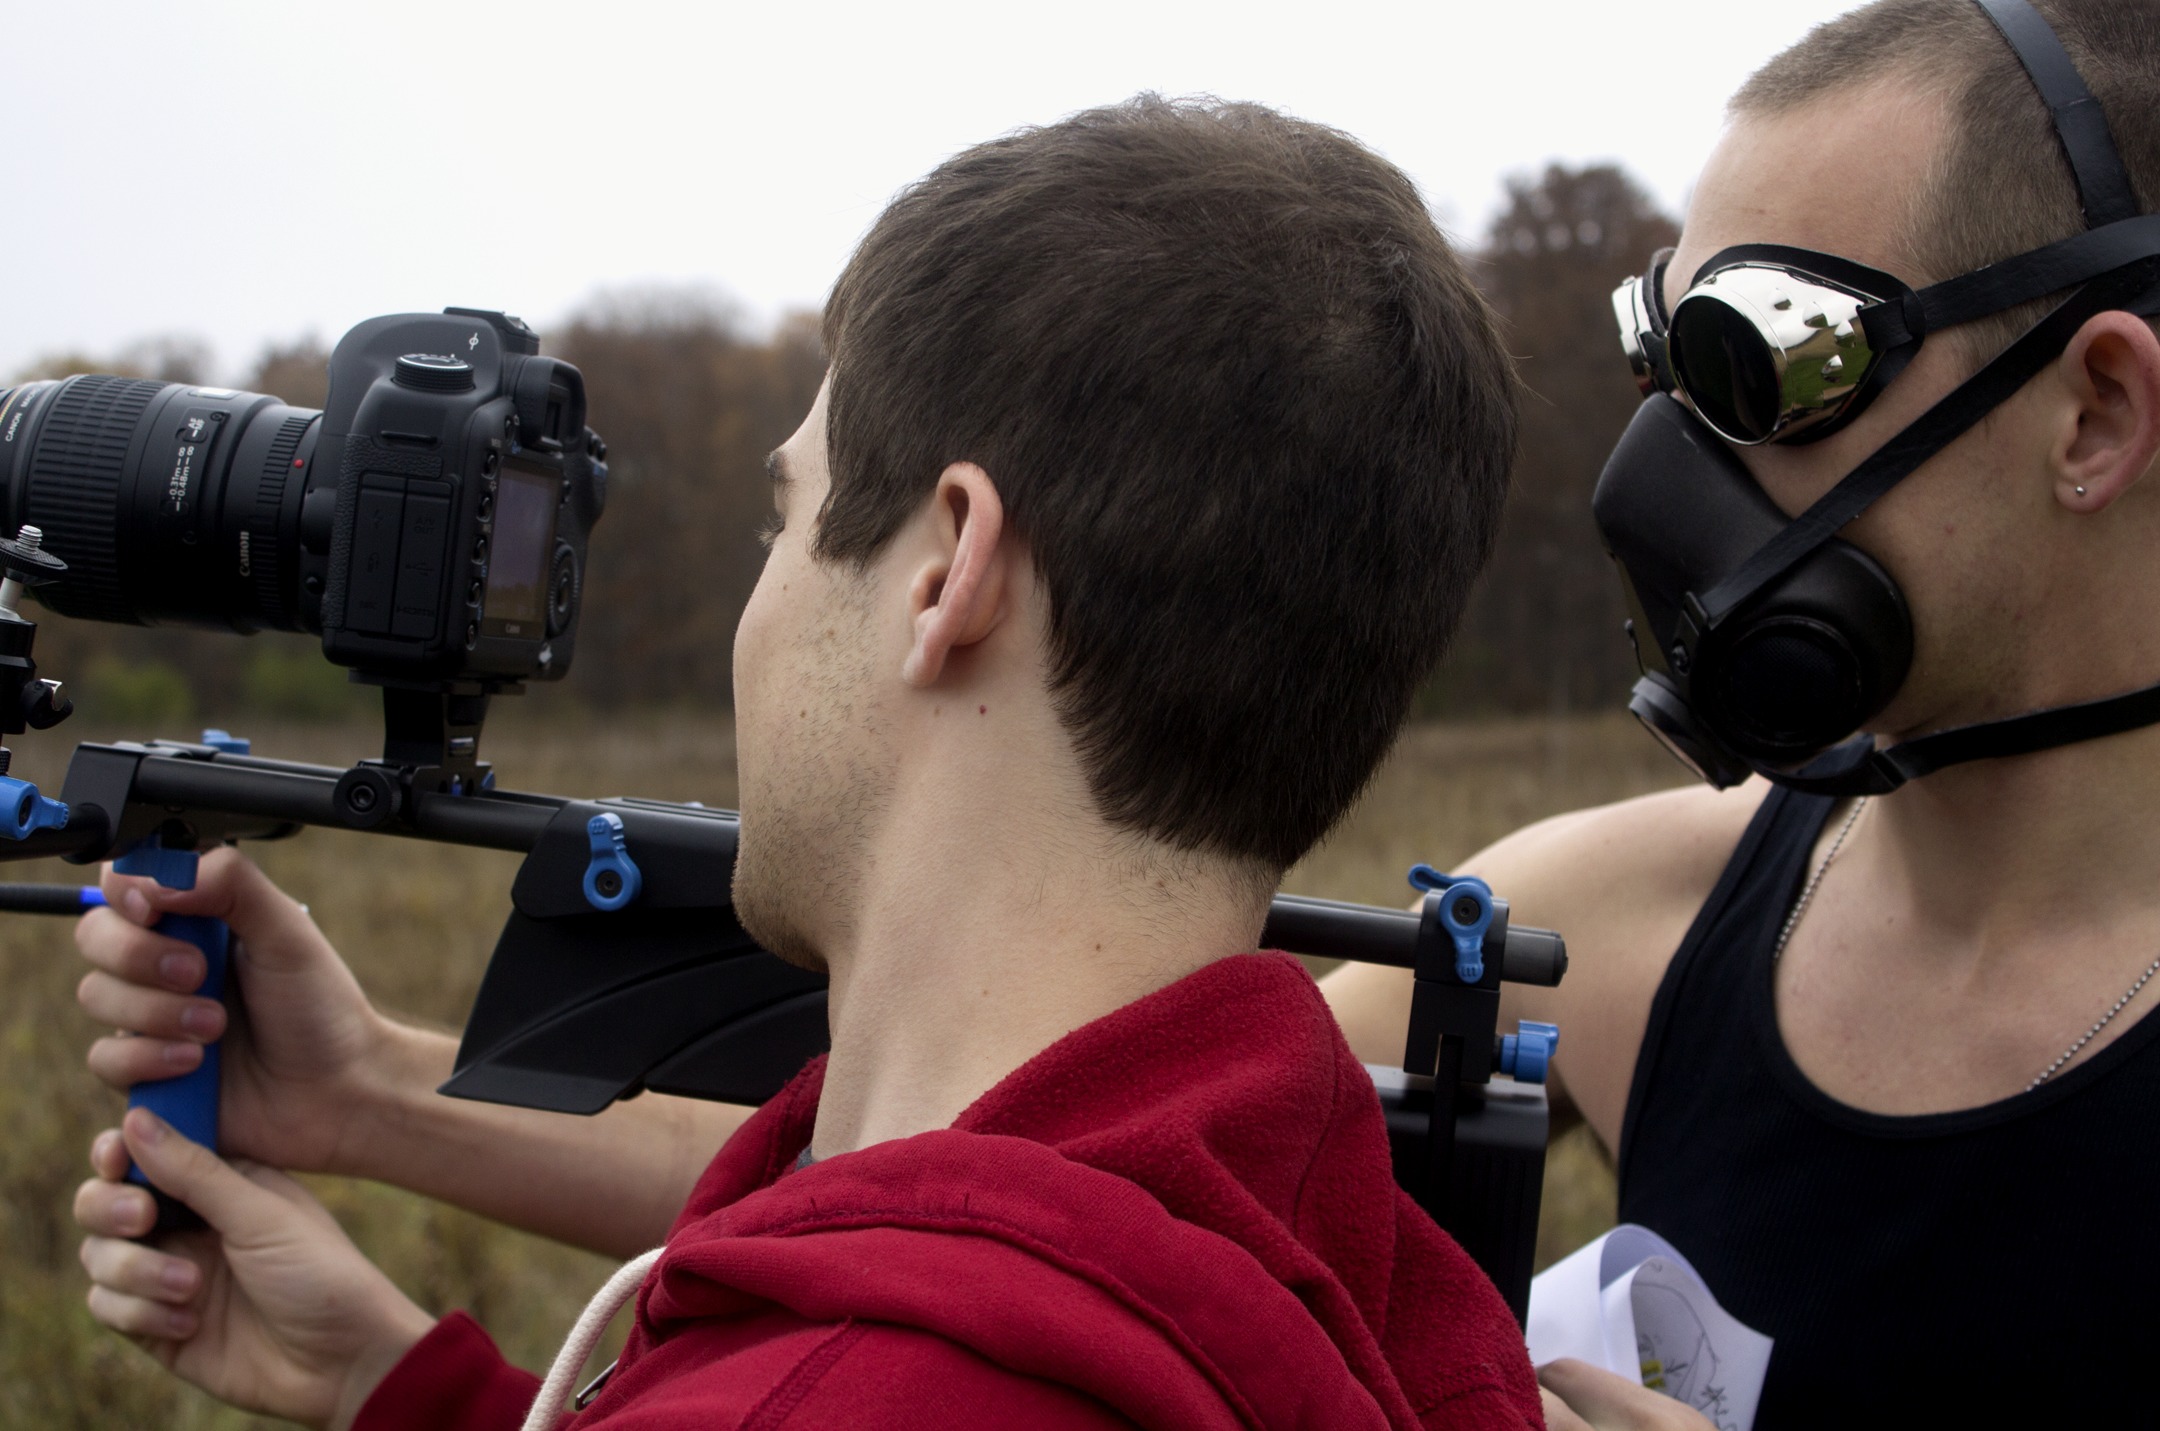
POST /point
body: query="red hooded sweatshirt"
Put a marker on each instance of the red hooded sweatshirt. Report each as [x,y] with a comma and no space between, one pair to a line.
[1179,1217]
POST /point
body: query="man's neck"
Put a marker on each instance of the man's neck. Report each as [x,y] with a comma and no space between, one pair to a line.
[2000,850]
[1993,845]
[978,943]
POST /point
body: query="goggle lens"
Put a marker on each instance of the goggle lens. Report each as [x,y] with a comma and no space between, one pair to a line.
[1724,365]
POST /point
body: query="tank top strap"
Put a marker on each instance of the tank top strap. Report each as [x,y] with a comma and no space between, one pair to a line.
[1736,928]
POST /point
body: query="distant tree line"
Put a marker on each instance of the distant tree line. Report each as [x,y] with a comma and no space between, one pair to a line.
[691,396]
[1543,630]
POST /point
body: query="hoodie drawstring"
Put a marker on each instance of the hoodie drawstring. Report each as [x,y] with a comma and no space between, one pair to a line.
[548,1406]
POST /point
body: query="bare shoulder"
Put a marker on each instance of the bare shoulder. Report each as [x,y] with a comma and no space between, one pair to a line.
[1637,861]
[1622,884]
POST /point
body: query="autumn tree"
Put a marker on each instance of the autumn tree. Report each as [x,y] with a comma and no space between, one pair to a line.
[1543,630]
[690,401]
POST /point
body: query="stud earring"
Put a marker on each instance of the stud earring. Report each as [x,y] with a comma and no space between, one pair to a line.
[2079,490]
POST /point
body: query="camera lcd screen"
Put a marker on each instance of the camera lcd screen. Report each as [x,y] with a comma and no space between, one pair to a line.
[524,538]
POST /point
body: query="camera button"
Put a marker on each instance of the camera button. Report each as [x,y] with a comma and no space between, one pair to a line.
[379,519]
[420,566]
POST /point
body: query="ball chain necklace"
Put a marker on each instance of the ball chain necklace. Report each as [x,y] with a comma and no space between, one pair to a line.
[1808,892]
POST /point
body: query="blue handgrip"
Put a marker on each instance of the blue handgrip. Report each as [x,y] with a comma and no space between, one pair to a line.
[190,1101]
[174,869]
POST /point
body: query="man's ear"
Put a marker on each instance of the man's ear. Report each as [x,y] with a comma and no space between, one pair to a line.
[957,596]
[2112,371]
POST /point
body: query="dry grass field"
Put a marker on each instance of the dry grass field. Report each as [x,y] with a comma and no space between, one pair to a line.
[417,922]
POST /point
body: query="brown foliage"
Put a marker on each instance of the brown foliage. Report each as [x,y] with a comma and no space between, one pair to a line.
[690,399]
[690,404]
[1543,631]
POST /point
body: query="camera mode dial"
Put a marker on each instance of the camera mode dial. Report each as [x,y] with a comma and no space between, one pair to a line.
[433,373]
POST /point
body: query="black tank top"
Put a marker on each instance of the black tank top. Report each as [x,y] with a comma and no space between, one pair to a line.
[1997,1266]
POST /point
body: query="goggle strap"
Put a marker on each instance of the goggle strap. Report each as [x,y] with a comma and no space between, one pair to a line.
[1654,286]
[2065,264]
[2103,188]
[1928,434]
[1856,768]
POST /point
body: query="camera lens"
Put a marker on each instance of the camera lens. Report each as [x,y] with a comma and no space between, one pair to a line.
[170,504]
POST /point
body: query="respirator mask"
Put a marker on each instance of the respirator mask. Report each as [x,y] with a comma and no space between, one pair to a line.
[1764,641]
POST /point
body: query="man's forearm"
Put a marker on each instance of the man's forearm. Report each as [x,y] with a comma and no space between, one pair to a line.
[611,1183]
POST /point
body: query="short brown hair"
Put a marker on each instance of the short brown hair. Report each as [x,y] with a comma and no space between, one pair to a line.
[2001,186]
[1245,406]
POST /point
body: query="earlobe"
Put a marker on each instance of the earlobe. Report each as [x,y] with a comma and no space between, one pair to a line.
[957,597]
[2112,370]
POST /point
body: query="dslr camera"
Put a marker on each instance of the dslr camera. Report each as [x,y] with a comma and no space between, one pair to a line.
[430,524]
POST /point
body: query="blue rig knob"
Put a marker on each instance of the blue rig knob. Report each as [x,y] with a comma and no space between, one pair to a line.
[23,810]
[612,879]
[1466,912]
[1527,1053]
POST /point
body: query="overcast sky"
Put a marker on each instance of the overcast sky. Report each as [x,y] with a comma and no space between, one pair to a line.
[253,172]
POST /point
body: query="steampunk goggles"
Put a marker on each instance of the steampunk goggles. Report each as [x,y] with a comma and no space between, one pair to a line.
[1771,343]
[1779,344]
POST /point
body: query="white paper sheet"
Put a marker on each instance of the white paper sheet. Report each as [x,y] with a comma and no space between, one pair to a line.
[1629,1302]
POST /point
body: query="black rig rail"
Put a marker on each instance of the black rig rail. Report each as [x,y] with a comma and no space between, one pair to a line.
[117,794]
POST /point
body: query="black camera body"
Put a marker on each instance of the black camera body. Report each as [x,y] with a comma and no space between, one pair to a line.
[459,485]
[430,524]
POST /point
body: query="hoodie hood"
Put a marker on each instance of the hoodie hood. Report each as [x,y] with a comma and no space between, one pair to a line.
[1183,1210]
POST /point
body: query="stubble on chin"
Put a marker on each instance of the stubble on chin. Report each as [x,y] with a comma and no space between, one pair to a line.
[813,791]
[764,906]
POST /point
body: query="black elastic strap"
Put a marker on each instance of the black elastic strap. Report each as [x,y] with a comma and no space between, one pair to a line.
[2064,264]
[2103,188]
[1656,344]
[1654,280]
[1931,432]
[1855,768]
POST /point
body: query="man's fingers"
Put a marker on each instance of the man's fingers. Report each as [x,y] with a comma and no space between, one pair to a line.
[149,1011]
[108,1208]
[1557,1415]
[198,1177]
[1614,1403]
[228,886]
[139,956]
[140,1317]
[123,1062]
[108,1155]
[139,1271]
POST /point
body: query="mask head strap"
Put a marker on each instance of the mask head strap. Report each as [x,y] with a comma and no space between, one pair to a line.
[2133,288]
[2103,187]
[1857,768]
